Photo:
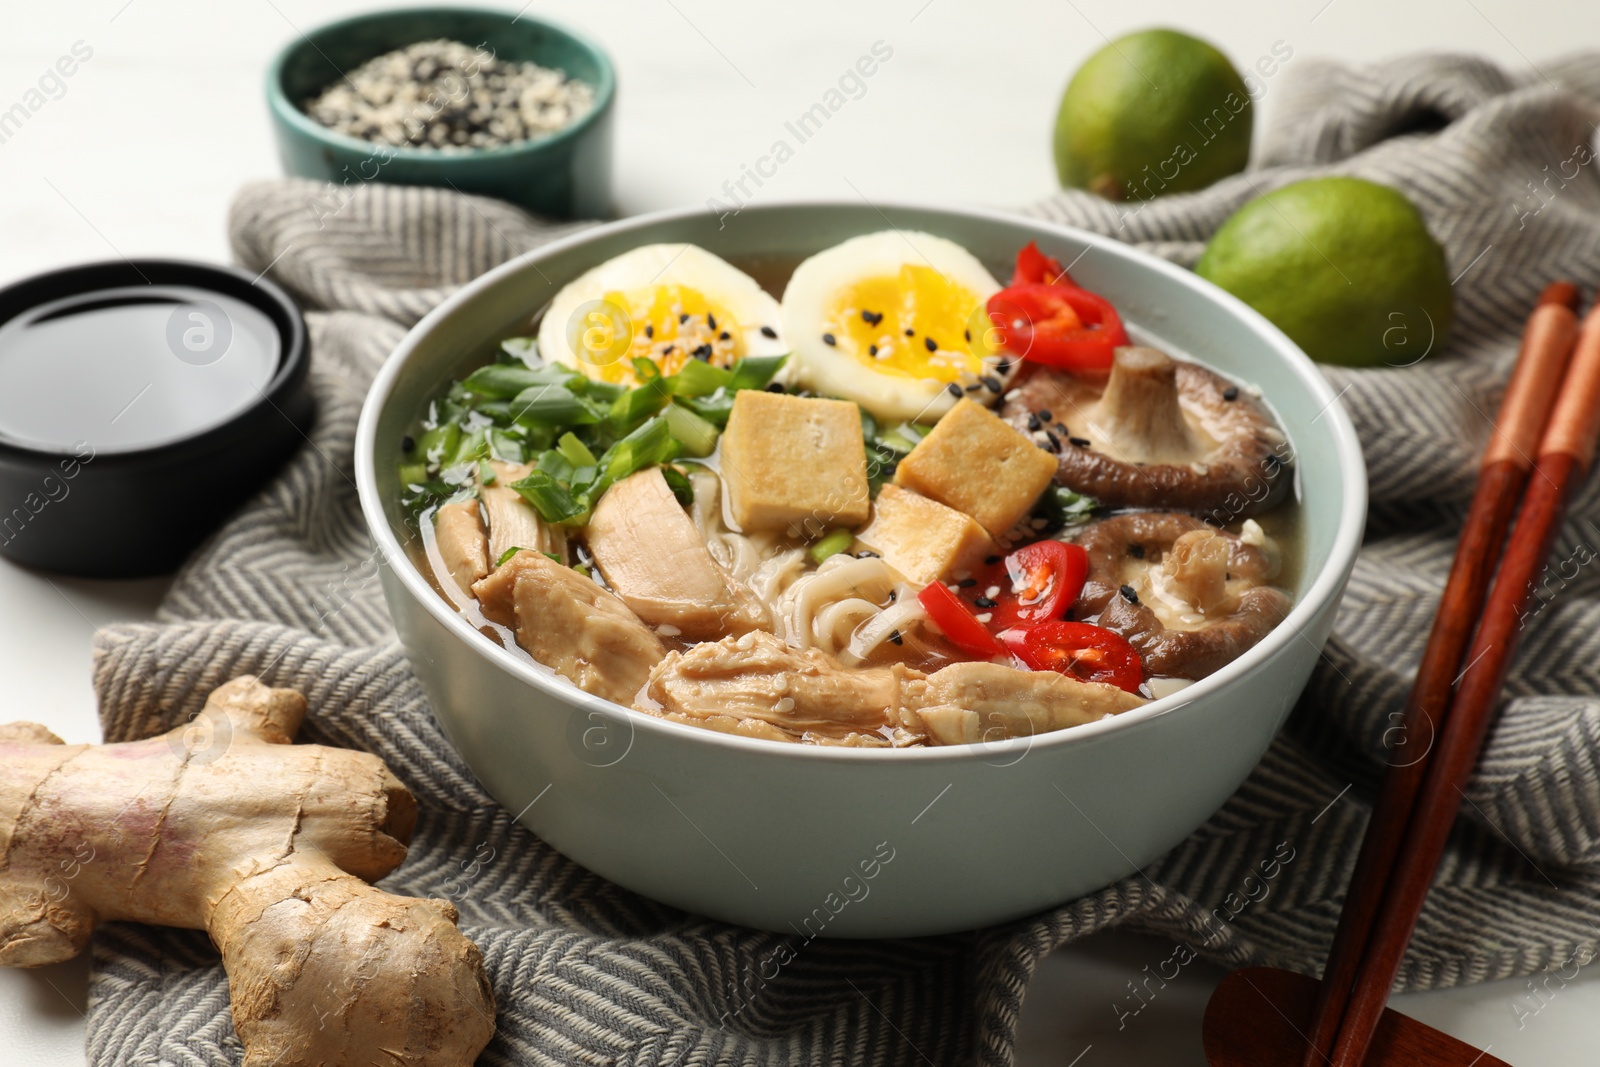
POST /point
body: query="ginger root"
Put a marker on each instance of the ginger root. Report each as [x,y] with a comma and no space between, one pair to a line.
[270,848]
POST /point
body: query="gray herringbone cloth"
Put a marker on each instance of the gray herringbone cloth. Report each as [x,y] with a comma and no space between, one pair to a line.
[586,972]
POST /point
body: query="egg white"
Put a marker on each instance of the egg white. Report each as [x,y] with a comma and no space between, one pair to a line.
[834,370]
[651,266]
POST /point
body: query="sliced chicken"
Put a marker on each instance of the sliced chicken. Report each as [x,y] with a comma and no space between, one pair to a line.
[800,691]
[966,703]
[571,625]
[514,524]
[458,534]
[652,555]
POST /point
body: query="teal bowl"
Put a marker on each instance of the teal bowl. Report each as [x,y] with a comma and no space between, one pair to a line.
[565,175]
[861,842]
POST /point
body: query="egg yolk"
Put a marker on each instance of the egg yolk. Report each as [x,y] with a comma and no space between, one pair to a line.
[665,324]
[914,324]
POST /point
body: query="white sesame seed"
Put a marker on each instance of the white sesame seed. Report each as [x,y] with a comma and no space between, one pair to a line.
[985,617]
[992,592]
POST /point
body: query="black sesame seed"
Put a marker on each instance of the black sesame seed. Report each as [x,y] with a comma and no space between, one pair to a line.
[1055,442]
[985,602]
[711,321]
[683,318]
[896,638]
[1034,424]
[703,352]
[967,583]
[871,318]
[768,331]
[872,350]
[910,332]
[966,335]
[774,387]
[724,335]
[1129,595]
[930,344]
[1045,415]
[991,560]
[1003,367]
[1081,442]
[649,330]
[974,387]
[954,389]
[990,382]
[1136,551]
[828,340]
[667,351]
[1231,393]
[408,444]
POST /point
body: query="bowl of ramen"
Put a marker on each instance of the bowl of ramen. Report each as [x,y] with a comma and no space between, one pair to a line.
[857,571]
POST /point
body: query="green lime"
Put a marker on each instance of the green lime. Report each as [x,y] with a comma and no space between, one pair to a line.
[1345,267]
[1153,112]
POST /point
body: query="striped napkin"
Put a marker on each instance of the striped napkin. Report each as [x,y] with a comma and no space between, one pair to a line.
[586,972]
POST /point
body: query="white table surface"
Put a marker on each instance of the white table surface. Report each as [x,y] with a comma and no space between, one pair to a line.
[142,151]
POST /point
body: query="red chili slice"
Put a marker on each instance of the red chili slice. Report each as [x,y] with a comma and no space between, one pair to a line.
[1037,582]
[1078,650]
[958,623]
[1034,267]
[1058,326]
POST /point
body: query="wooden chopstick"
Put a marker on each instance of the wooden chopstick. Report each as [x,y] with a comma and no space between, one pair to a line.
[1565,453]
[1507,461]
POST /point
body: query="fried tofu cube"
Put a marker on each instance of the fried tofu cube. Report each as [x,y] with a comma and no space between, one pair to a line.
[923,539]
[976,463]
[794,462]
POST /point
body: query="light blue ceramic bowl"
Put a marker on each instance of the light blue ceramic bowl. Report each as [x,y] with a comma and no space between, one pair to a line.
[848,842]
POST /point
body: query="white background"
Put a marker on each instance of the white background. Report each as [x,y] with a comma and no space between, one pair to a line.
[142,152]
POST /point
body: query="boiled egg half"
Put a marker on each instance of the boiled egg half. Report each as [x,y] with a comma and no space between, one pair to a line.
[890,320]
[667,303]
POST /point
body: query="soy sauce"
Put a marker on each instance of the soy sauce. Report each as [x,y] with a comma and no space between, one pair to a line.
[131,368]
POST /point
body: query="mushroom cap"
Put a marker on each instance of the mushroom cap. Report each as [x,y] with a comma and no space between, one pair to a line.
[1158,433]
[1137,551]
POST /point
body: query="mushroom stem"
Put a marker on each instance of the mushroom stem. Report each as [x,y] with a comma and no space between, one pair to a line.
[1139,413]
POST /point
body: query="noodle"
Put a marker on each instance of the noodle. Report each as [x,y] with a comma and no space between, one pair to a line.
[848,607]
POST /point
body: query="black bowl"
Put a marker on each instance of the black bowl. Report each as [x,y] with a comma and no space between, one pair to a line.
[135,512]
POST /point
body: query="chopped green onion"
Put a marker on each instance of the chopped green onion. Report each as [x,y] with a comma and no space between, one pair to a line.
[1063,507]
[524,348]
[438,444]
[505,446]
[553,558]
[555,405]
[698,378]
[831,545]
[413,473]
[486,475]
[575,451]
[698,436]
[755,372]
[502,381]
[679,483]
[650,444]
[507,554]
